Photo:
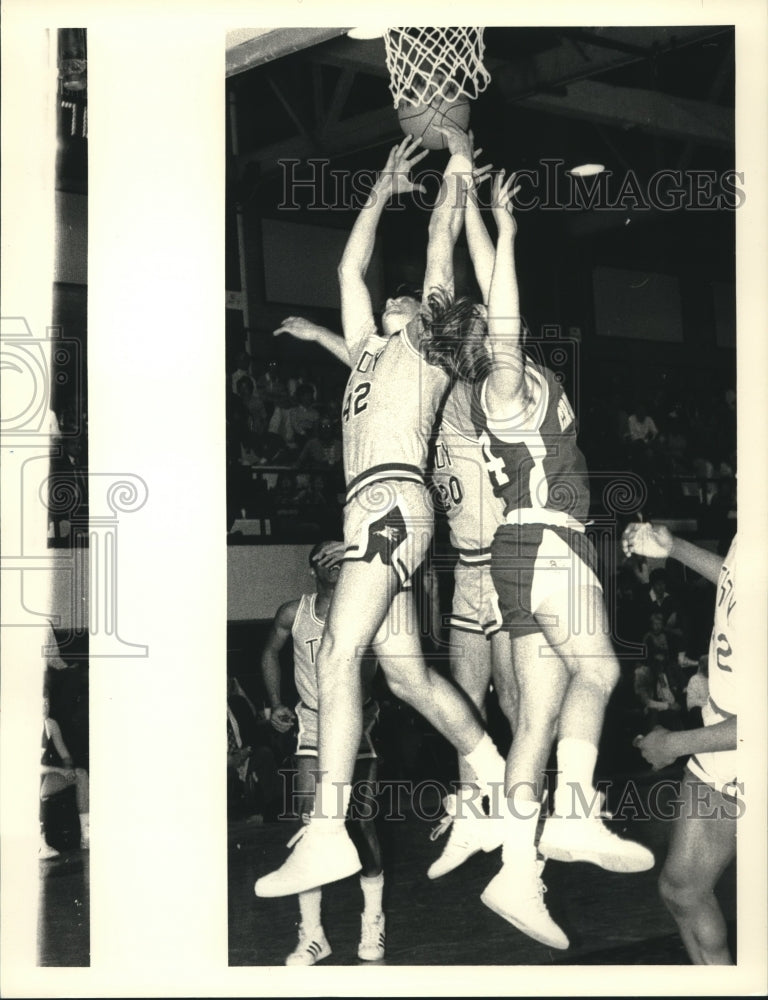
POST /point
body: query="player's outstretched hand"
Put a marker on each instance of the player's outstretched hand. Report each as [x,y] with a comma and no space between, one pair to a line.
[655,748]
[480,174]
[459,142]
[401,160]
[329,554]
[302,329]
[504,190]
[646,539]
[282,718]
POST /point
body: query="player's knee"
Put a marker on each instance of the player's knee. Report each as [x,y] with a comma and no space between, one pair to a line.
[601,672]
[680,894]
[81,774]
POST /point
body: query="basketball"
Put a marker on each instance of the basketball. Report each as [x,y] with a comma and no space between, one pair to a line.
[420,119]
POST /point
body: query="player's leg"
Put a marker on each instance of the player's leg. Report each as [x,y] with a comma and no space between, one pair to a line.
[82,797]
[313,944]
[517,893]
[372,943]
[470,664]
[504,680]
[703,844]
[363,595]
[326,853]
[568,604]
[432,695]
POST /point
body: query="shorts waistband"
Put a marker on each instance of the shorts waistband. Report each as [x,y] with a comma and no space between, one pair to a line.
[543,516]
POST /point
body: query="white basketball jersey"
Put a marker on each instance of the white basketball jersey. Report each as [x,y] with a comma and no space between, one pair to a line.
[307,633]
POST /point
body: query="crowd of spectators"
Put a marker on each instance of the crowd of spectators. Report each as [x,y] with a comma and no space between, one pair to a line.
[285,456]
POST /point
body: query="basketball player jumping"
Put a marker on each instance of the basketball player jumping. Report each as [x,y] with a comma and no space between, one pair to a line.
[303,621]
[389,410]
[704,835]
[543,570]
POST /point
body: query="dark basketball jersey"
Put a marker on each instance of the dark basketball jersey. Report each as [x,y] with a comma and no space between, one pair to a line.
[389,410]
[531,455]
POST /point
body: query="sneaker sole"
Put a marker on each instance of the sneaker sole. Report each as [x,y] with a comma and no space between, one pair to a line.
[272,891]
[370,957]
[446,871]
[525,928]
[608,862]
[306,965]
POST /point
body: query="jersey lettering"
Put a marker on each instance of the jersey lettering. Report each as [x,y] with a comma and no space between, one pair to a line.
[311,643]
[565,414]
[356,400]
[723,651]
[493,463]
[442,456]
[368,361]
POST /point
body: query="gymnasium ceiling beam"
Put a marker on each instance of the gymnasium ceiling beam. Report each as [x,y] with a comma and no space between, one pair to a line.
[349,136]
[648,110]
[579,56]
[254,47]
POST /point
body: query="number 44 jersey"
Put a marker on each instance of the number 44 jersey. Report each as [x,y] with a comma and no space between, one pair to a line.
[389,409]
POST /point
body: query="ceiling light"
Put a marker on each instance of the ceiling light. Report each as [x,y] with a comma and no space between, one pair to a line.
[587,169]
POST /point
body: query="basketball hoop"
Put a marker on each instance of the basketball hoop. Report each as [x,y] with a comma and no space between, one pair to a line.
[425,63]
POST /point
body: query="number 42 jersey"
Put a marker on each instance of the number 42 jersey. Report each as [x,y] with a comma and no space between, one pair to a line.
[389,408]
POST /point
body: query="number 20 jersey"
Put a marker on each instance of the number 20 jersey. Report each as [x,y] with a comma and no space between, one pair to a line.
[460,483]
[389,408]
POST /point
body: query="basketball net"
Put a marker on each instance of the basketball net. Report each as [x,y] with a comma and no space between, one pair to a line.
[425,63]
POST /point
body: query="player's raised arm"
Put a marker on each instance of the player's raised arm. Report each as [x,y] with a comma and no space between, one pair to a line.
[282,718]
[479,242]
[356,309]
[304,329]
[506,380]
[448,214]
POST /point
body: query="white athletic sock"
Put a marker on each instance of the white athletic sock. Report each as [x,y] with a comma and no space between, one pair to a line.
[576,761]
[373,890]
[488,766]
[331,804]
[520,823]
[309,908]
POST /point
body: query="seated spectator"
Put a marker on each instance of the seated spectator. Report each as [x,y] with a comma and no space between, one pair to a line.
[253,403]
[303,417]
[59,773]
[657,645]
[280,424]
[301,380]
[242,371]
[656,697]
[641,426]
[323,450]
[272,388]
[659,600]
